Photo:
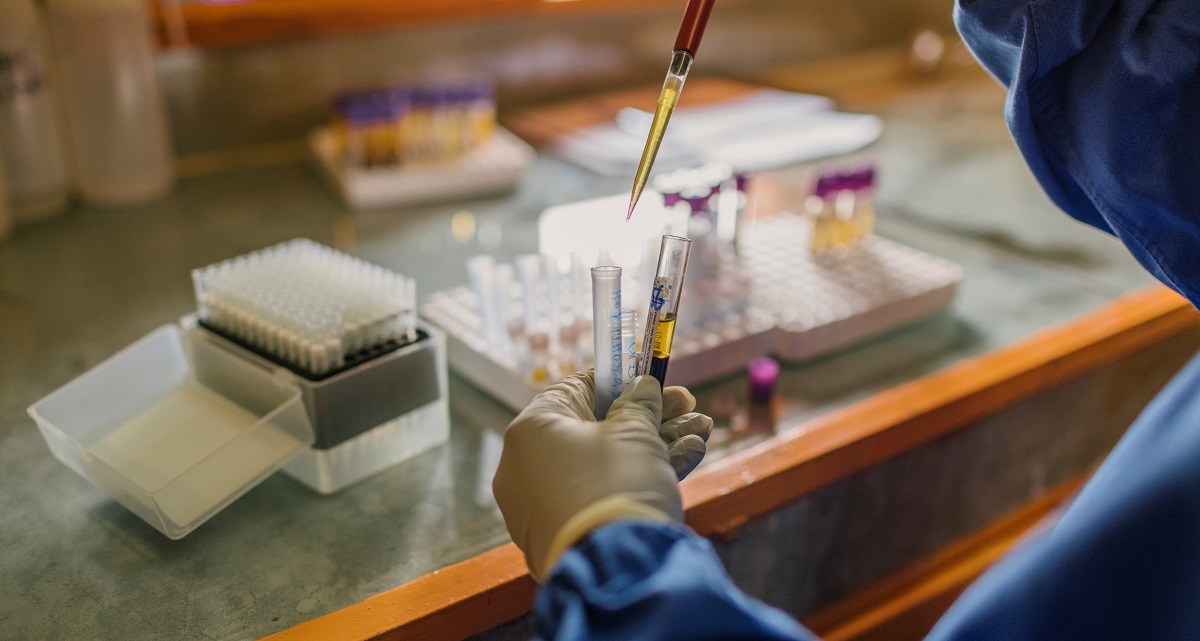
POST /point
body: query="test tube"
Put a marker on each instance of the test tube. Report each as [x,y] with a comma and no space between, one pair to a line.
[664,303]
[865,201]
[821,206]
[606,336]
[843,211]
[502,305]
[529,270]
[481,272]
[629,352]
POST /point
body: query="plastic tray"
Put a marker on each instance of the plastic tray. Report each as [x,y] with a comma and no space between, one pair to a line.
[497,166]
[800,308]
[175,427]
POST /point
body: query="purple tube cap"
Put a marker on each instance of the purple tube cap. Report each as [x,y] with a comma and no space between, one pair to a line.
[763,373]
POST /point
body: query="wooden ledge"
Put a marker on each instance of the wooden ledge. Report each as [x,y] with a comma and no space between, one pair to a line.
[906,604]
[493,588]
[217,24]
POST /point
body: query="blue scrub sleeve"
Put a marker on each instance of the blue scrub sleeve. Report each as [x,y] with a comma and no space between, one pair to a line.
[1103,103]
[1123,562]
[643,581]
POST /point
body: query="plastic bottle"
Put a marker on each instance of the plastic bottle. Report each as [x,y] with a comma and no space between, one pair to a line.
[115,115]
[34,161]
[5,219]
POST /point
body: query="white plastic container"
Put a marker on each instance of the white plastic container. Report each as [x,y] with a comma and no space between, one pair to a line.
[175,427]
[183,422]
[5,218]
[33,156]
[116,121]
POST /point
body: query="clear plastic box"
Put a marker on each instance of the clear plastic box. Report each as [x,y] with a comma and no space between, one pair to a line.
[399,439]
[176,426]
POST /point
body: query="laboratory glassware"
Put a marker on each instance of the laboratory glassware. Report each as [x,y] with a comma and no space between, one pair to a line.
[116,121]
[606,336]
[664,304]
[33,157]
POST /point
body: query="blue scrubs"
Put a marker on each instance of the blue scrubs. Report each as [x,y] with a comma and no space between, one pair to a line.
[1104,103]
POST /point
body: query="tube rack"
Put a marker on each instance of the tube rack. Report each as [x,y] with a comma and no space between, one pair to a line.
[799,307]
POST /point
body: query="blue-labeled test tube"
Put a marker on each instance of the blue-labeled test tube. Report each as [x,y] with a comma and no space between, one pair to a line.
[664,304]
[606,336]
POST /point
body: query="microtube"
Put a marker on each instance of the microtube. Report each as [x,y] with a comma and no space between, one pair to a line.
[606,336]
[629,352]
[481,272]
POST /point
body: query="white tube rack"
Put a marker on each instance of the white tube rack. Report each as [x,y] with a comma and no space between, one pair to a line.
[800,307]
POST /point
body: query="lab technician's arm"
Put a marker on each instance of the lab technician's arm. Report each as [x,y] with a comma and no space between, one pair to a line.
[595,507]
[1104,104]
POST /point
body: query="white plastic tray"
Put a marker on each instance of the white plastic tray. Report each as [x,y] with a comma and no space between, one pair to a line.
[800,308]
[175,427]
[497,166]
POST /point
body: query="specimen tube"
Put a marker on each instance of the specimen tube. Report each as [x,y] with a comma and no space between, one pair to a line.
[628,343]
[664,301]
[606,336]
[481,272]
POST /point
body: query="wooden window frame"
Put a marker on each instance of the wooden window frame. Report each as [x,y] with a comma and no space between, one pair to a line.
[495,587]
[219,24]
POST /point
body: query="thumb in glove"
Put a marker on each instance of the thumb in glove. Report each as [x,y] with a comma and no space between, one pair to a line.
[562,473]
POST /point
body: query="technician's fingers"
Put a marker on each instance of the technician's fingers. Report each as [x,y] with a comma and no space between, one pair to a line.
[641,401]
[676,402]
[685,454]
[690,423]
[573,397]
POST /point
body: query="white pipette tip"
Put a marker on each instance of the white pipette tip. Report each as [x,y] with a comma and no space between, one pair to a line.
[305,304]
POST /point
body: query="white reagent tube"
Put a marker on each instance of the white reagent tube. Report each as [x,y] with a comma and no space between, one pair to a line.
[606,336]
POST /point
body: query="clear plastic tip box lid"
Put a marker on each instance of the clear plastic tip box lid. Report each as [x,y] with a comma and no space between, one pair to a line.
[175,427]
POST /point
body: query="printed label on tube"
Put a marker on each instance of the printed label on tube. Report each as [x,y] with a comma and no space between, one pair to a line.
[660,293]
[614,332]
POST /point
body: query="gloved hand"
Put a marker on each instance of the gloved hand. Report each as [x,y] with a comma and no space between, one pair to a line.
[563,474]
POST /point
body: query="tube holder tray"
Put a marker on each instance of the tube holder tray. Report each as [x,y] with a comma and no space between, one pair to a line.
[800,308]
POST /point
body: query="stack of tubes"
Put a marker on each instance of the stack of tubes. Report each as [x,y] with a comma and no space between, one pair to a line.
[614,330]
[714,198]
[534,315]
[400,125]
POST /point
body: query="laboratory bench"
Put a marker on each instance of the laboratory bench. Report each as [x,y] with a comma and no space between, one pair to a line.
[872,459]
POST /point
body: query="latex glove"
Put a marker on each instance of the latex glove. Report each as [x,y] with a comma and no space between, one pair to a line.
[563,474]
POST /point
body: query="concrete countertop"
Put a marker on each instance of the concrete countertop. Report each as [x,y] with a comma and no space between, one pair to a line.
[73,291]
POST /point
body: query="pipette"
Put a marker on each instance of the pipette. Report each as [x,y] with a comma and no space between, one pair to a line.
[694,20]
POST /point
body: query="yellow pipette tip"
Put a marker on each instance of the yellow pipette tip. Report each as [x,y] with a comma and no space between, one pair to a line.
[676,75]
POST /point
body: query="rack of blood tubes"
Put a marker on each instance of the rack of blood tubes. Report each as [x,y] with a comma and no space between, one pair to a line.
[792,285]
[407,124]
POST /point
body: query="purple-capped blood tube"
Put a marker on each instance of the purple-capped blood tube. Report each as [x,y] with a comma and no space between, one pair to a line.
[763,374]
